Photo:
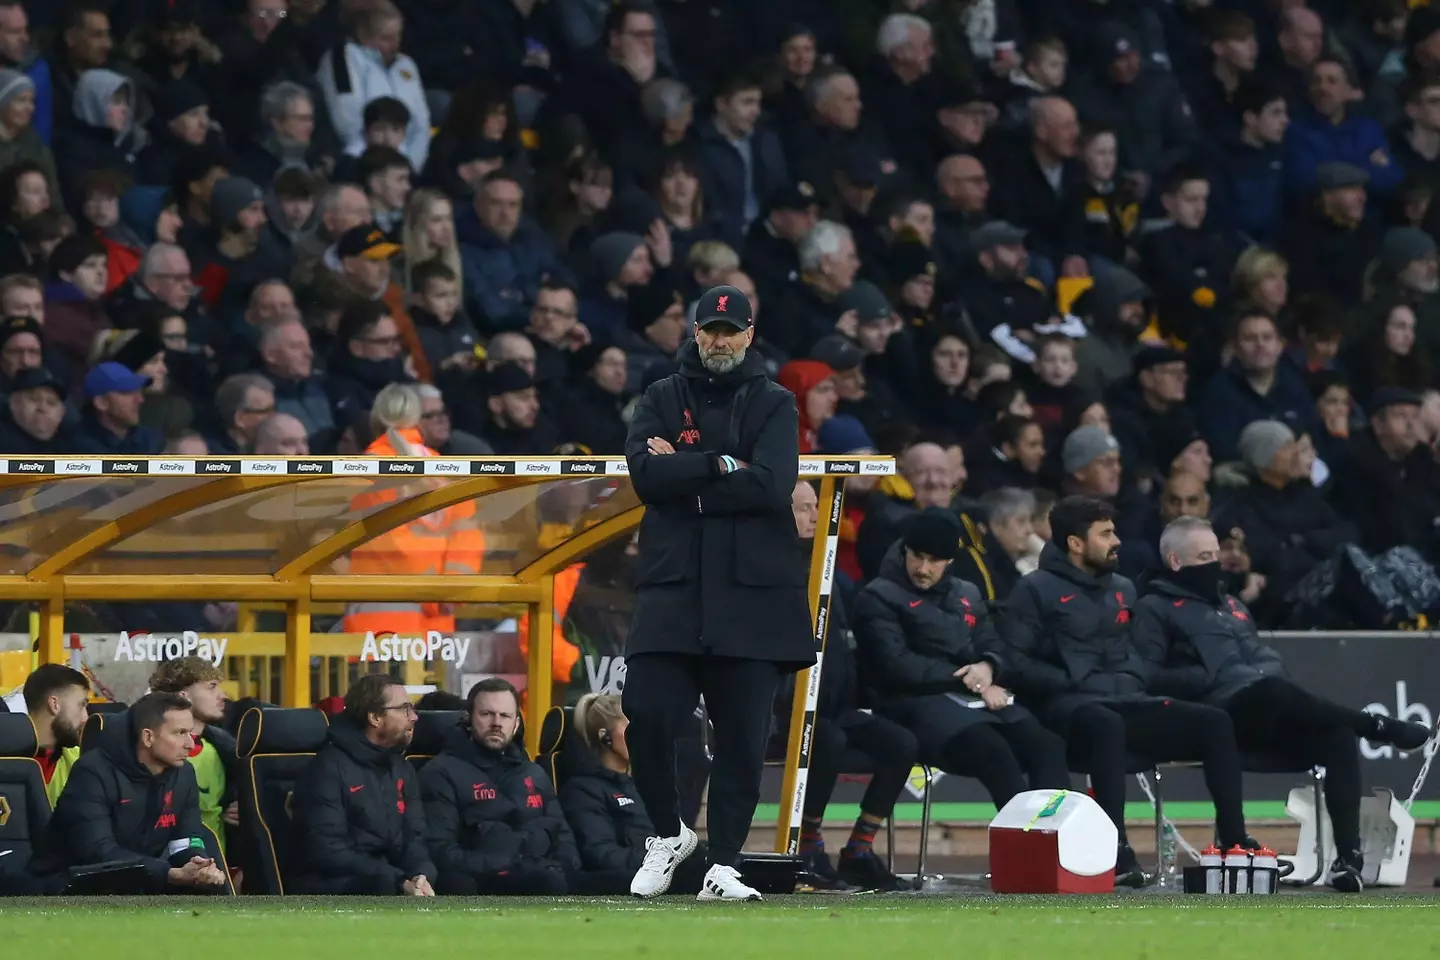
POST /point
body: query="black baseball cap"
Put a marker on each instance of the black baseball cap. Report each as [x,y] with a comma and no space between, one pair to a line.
[37,378]
[724,304]
[799,195]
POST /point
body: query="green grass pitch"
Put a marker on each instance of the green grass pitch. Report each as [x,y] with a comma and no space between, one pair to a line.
[864,927]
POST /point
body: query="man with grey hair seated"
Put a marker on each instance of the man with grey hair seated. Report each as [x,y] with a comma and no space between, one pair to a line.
[1006,524]
[281,435]
[1202,644]
[243,401]
[812,308]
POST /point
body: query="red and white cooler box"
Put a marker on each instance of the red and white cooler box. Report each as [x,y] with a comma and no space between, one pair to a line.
[1052,841]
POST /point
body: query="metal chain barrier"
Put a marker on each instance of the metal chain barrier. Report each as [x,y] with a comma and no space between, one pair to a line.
[1430,749]
[1180,840]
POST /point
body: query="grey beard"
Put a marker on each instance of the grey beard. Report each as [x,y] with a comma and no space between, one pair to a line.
[721,364]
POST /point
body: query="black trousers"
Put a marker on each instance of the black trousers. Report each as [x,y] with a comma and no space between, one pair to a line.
[1101,736]
[523,883]
[1277,717]
[859,742]
[1002,755]
[662,691]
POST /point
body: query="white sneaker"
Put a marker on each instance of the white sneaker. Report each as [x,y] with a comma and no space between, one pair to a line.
[662,856]
[723,883]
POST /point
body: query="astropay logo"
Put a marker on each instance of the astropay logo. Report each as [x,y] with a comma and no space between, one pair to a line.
[145,647]
[1404,710]
[433,646]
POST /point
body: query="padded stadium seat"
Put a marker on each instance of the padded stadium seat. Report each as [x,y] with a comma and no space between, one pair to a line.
[24,808]
[90,733]
[431,728]
[118,706]
[274,747]
[557,735]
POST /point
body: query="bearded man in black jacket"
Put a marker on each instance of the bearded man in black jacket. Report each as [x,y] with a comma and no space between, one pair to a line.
[1067,647]
[1201,644]
[492,823]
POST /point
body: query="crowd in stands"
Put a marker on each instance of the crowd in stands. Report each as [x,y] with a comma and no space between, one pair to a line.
[1179,256]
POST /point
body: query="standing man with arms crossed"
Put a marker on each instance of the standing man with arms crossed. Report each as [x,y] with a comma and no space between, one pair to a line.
[721,610]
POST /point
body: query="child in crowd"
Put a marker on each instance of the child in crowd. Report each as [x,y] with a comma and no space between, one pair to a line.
[446,332]
[1054,388]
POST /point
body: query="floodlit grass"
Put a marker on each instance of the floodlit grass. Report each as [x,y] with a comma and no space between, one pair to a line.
[863,928]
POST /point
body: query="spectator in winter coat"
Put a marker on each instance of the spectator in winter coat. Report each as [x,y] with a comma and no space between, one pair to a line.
[1332,132]
[359,827]
[1041,188]
[104,134]
[369,67]
[603,807]
[1255,386]
[73,311]
[655,330]
[594,407]
[110,425]
[1247,175]
[19,133]
[17,53]
[134,798]
[505,257]
[741,162]
[492,823]
[1330,245]
[1188,265]
[182,126]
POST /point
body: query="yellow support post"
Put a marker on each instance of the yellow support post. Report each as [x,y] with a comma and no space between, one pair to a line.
[807,683]
[52,630]
[296,692]
[542,644]
[245,618]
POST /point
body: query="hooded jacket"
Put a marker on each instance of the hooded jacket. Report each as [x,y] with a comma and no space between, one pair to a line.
[721,567]
[1106,355]
[89,143]
[800,377]
[1066,639]
[357,813]
[1203,648]
[113,808]
[912,641]
[489,812]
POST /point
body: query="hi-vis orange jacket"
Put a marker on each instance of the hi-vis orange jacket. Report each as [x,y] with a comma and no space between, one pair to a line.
[563,654]
[448,541]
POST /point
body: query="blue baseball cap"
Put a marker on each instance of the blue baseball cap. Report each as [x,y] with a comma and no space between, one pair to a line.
[111,377]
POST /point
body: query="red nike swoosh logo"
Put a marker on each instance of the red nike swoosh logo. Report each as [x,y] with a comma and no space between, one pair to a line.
[1068,598]
[124,801]
[1179,603]
[916,604]
[357,789]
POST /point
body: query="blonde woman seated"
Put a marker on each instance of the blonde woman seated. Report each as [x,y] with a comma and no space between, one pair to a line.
[603,807]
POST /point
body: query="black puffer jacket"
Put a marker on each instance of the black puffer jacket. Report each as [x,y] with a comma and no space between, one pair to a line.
[1066,639]
[113,808]
[912,641]
[1200,648]
[357,813]
[606,814]
[491,812]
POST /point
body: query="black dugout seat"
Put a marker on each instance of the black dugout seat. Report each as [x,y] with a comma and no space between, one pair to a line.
[24,808]
[431,728]
[557,735]
[118,706]
[274,748]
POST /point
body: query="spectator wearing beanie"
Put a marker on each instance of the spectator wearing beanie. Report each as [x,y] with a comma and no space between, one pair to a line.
[593,414]
[104,135]
[513,423]
[813,384]
[18,53]
[19,139]
[181,124]
[74,311]
[1289,527]
[619,262]
[21,348]
[1330,243]
[110,425]
[143,352]
[654,332]
[243,255]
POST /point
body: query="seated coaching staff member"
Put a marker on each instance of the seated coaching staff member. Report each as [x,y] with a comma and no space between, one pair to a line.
[492,823]
[1066,634]
[925,636]
[133,798]
[1202,645]
[358,824]
[720,607]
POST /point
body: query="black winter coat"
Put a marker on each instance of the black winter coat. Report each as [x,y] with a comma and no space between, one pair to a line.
[607,815]
[113,808]
[1200,648]
[721,569]
[1066,639]
[912,641]
[488,813]
[357,813]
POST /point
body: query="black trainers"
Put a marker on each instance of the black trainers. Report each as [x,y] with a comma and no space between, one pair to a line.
[1128,872]
[1403,734]
[1344,873]
[822,873]
[868,872]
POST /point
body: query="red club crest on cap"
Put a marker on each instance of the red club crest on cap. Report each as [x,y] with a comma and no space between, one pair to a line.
[721,303]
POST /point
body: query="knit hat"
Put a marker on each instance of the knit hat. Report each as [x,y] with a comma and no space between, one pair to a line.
[1401,246]
[507,378]
[14,326]
[177,98]
[1084,446]
[910,259]
[843,434]
[609,252]
[647,304]
[1260,443]
[12,84]
[139,350]
[838,352]
[230,197]
[1385,397]
[934,531]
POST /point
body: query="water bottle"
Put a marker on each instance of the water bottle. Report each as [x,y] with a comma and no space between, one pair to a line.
[1237,870]
[1170,879]
[1213,863]
[1266,867]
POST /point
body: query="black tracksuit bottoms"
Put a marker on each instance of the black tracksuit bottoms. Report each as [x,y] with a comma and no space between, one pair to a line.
[1102,736]
[662,691]
[857,742]
[1275,717]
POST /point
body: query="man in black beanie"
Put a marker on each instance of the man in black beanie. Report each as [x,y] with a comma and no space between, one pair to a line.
[927,648]
[721,609]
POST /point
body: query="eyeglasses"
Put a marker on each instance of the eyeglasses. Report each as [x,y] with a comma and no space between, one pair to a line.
[408,708]
[261,410]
